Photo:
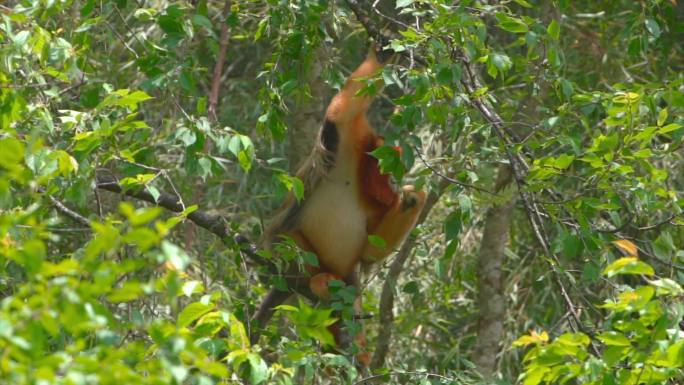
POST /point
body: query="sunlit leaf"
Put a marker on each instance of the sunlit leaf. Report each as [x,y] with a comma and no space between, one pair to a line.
[553,30]
[627,248]
[193,312]
[628,265]
[532,338]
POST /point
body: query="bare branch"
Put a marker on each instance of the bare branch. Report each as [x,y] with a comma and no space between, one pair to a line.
[76,217]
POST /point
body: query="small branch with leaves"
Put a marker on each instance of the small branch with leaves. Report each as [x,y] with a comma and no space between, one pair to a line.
[211,222]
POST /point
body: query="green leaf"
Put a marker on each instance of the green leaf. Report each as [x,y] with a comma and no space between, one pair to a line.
[192,287]
[140,216]
[377,241]
[523,3]
[261,28]
[20,38]
[88,24]
[130,291]
[193,312]
[245,160]
[653,27]
[535,375]
[202,21]
[669,128]
[289,308]
[298,188]
[667,286]
[258,372]
[563,161]
[453,225]
[310,259]
[389,159]
[205,167]
[662,116]
[613,354]
[143,237]
[553,30]
[125,98]
[573,339]
[139,180]
[202,105]
[511,24]
[628,265]
[566,87]
[673,357]
[32,256]
[553,56]
[501,62]
[403,3]
[11,153]
[614,338]
[293,184]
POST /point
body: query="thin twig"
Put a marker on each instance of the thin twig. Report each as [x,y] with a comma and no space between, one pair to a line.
[98,202]
[661,223]
[121,39]
[448,178]
[58,229]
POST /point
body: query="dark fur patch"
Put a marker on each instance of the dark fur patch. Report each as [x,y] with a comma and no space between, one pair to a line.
[329,136]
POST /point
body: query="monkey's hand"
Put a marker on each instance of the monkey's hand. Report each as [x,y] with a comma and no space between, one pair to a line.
[382,55]
[410,198]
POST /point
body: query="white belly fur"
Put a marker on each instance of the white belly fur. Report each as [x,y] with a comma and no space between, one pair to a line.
[337,230]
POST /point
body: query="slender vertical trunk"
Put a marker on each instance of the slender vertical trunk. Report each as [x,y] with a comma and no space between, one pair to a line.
[307,117]
[491,297]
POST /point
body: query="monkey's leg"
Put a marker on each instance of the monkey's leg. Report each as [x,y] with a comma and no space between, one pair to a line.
[346,105]
[319,284]
[396,224]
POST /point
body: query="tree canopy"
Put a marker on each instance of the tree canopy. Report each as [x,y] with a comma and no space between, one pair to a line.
[144,144]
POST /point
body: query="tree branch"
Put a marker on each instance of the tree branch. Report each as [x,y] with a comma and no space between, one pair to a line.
[211,222]
[76,217]
[218,69]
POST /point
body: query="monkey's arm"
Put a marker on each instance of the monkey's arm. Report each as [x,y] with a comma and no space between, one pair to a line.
[395,225]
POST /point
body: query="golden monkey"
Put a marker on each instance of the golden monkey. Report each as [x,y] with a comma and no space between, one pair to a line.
[346,199]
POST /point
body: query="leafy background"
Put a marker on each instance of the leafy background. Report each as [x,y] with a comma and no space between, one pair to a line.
[549,134]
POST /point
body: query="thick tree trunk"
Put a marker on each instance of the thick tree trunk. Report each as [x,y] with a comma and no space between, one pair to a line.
[491,296]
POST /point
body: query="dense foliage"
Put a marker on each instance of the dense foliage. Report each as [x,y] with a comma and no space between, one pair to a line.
[107,106]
